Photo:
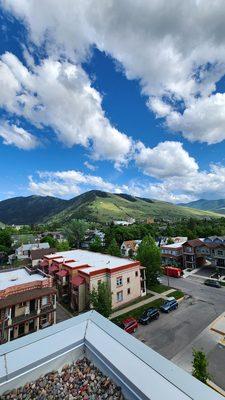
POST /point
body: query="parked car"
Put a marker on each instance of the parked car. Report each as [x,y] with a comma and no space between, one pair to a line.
[149,314]
[159,280]
[129,325]
[210,282]
[169,305]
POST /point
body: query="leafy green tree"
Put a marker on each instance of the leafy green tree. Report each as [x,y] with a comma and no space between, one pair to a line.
[96,245]
[50,240]
[200,365]
[170,241]
[101,299]
[62,246]
[149,255]
[113,249]
[5,240]
[75,232]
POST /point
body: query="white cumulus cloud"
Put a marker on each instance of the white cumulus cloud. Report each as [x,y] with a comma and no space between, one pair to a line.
[17,136]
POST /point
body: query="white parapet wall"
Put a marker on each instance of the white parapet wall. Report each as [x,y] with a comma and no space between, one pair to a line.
[141,372]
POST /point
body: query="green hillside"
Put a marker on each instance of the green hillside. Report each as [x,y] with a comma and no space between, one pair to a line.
[29,210]
[217,206]
[104,207]
[94,205]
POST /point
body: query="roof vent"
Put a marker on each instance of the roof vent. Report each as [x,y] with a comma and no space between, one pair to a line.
[14,278]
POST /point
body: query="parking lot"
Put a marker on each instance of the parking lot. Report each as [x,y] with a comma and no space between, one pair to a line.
[175,334]
[172,332]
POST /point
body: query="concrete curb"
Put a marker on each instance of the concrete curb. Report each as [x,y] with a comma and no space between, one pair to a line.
[216,388]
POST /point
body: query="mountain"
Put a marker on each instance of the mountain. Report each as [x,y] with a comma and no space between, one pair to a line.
[101,206]
[29,210]
[94,205]
[217,206]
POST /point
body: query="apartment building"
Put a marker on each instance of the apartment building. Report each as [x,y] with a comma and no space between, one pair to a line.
[172,254]
[77,272]
[27,302]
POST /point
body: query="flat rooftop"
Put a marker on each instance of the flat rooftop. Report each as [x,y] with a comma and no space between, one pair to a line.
[173,245]
[139,371]
[17,277]
[90,258]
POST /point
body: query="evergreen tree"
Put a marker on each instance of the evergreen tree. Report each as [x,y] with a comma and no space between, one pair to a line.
[96,245]
[101,299]
[114,249]
[200,364]
[150,257]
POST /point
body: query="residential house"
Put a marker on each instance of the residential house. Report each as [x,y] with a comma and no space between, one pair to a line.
[37,255]
[77,272]
[23,252]
[57,235]
[27,302]
[90,236]
[18,240]
[129,248]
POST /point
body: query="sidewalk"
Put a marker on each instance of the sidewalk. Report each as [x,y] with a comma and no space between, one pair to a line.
[155,296]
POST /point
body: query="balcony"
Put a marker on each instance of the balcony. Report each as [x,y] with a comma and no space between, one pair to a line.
[23,318]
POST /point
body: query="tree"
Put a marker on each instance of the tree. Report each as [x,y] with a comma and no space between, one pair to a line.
[50,240]
[96,245]
[62,246]
[114,249]
[200,364]
[170,241]
[149,255]
[75,232]
[101,299]
[5,240]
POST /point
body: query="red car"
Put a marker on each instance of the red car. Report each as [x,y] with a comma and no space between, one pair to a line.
[129,325]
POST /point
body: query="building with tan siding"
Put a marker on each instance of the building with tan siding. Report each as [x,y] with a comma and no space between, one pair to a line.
[77,272]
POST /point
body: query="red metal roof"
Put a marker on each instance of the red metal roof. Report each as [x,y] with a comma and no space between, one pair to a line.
[77,280]
[62,273]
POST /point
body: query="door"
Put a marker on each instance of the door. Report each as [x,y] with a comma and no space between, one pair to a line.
[32,305]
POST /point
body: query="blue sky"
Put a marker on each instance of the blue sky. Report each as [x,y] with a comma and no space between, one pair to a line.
[113,101]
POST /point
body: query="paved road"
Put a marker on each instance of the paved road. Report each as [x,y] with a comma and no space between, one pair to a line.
[175,334]
[172,332]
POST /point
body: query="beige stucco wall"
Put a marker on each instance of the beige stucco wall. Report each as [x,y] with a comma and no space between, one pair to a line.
[134,285]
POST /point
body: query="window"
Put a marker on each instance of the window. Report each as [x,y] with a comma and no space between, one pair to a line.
[44,301]
[128,291]
[128,280]
[119,281]
[136,273]
[119,296]
[220,252]
[99,281]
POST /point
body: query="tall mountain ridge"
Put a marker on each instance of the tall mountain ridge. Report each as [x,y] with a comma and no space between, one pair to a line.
[94,205]
[217,206]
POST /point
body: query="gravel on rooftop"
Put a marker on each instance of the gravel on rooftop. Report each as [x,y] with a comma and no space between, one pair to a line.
[78,381]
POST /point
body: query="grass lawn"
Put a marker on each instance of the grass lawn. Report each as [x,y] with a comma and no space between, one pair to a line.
[177,294]
[137,312]
[159,288]
[148,296]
